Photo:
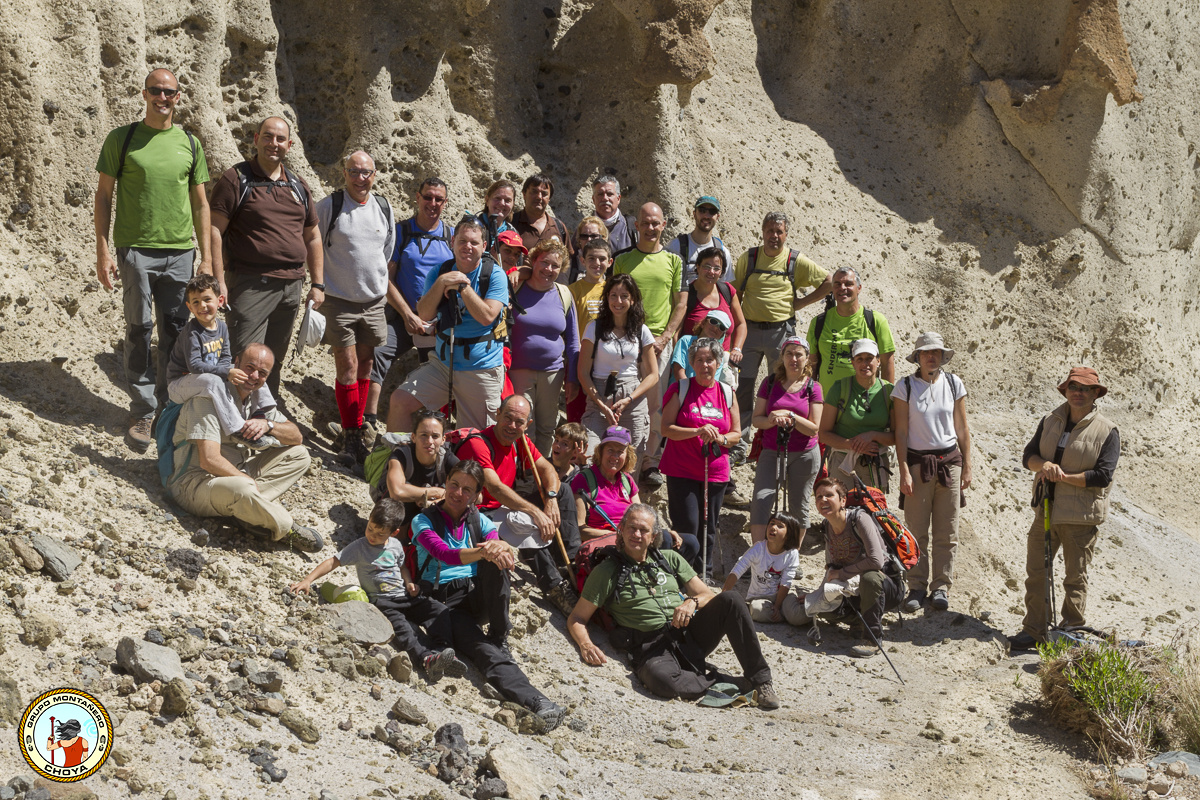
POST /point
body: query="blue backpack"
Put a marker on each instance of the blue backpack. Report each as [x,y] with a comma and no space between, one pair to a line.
[164,438]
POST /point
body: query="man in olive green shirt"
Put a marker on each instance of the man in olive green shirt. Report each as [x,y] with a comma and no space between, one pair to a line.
[769,280]
[162,173]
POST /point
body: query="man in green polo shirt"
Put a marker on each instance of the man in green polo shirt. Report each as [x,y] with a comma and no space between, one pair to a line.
[831,333]
[770,280]
[162,172]
[658,274]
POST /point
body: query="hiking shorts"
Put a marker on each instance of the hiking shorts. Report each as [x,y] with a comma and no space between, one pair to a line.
[348,323]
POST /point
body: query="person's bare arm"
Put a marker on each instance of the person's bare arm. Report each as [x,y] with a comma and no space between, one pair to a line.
[963,432]
[739,329]
[887,367]
[663,343]
[577,627]
[816,294]
[213,462]
[203,226]
[316,263]
[106,268]
[288,433]
[319,571]
[900,428]
[219,223]
[484,311]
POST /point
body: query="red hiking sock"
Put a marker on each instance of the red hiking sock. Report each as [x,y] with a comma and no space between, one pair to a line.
[364,389]
[349,406]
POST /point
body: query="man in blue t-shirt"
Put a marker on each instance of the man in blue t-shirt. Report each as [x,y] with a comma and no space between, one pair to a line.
[422,245]
[466,299]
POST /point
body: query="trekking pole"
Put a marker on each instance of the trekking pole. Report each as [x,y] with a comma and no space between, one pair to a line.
[450,417]
[562,548]
[598,509]
[1049,563]
[782,437]
[874,639]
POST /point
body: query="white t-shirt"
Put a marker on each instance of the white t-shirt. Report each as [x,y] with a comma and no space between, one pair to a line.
[767,572]
[619,356]
[931,410]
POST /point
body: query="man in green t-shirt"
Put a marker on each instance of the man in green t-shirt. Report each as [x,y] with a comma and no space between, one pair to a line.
[658,274]
[771,280]
[830,334]
[162,172]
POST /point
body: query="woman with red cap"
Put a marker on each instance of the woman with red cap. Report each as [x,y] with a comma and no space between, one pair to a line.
[1073,453]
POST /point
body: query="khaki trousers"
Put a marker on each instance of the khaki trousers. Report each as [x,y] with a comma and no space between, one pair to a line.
[272,471]
[1078,542]
[542,389]
[933,503]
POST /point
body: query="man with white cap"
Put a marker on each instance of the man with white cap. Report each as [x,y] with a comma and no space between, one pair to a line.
[1073,454]
[529,508]
[706,212]
[933,448]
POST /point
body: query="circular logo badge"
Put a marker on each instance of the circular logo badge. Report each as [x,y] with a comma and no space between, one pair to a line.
[65,735]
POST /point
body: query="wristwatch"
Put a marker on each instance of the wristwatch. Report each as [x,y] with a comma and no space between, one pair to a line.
[552,494]
[320,286]
[270,426]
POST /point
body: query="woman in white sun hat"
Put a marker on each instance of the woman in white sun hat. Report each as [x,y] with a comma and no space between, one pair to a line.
[933,446]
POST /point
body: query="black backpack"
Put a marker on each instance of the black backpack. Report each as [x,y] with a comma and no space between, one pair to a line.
[685,246]
[500,326]
[724,288]
[424,239]
[129,141]
[654,557]
[752,267]
[339,200]
[248,181]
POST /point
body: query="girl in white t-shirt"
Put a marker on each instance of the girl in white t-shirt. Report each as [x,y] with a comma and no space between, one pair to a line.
[618,369]
[772,564]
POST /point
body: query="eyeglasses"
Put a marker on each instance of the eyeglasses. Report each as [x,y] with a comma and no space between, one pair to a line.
[587,237]
[160,91]
[360,173]
[433,198]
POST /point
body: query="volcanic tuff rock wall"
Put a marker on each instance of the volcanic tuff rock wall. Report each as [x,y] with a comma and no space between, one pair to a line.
[1021,174]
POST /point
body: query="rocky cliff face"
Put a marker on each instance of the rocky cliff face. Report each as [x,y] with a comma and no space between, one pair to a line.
[1019,175]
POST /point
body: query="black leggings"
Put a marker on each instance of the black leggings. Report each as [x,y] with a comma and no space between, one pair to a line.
[684,503]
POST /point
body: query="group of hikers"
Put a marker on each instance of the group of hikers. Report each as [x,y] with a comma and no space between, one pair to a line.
[649,347]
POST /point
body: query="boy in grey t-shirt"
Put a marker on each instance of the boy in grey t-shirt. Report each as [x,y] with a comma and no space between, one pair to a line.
[379,559]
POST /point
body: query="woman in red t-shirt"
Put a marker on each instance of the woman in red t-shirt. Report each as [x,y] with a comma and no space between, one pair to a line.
[707,293]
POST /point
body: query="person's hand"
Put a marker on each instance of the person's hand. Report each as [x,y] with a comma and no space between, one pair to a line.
[316,296]
[413,589]
[413,324]
[661,343]
[434,494]
[965,481]
[864,444]
[676,539]
[553,512]
[1051,472]
[618,408]
[708,433]
[301,586]
[499,553]
[453,281]
[590,654]
[106,270]
[572,392]
[224,293]
[906,482]
[684,613]
[609,416]
[776,613]
[781,418]
[254,429]
[735,357]
[237,377]
[545,525]
[205,268]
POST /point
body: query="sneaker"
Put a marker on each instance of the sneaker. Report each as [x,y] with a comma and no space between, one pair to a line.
[767,699]
[1021,642]
[305,539]
[864,650]
[549,712]
[264,442]
[443,663]
[651,480]
[940,601]
[914,601]
[735,498]
[140,438]
[564,597]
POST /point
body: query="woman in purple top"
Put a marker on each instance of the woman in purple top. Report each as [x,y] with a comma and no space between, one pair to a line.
[545,340]
[698,414]
[788,405]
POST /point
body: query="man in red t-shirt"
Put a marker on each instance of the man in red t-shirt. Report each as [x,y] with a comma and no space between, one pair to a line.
[511,497]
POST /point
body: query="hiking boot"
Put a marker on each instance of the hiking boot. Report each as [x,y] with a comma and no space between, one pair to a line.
[443,663]
[549,712]
[737,455]
[139,434]
[767,699]
[864,650]
[1021,642]
[564,597]
[940,601]
[372,421]
[353,450]
[651,480]
[735,498]
[914,601]
[264,442]
[305,539]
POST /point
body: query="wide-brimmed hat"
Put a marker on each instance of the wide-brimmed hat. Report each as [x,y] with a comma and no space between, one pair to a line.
[931,341]
[512,239]
[1086,376]
[617,434]
[312,328]
[859,346]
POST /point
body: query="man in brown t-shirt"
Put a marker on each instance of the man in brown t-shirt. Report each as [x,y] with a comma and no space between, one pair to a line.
[534,223]
[261,244]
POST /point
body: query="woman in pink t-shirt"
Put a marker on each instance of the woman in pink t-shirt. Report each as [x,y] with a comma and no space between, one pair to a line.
[699,414]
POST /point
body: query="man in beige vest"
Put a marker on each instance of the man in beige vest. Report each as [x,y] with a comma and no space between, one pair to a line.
[1074,453]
